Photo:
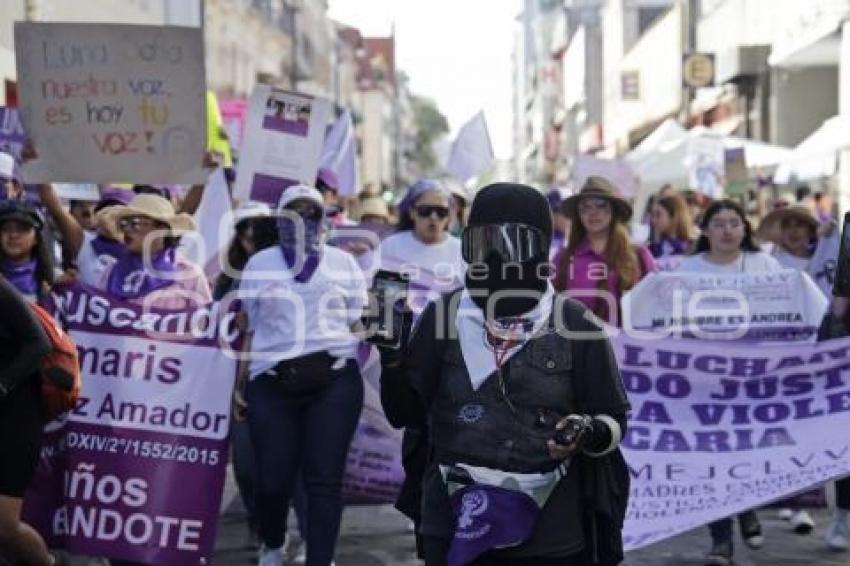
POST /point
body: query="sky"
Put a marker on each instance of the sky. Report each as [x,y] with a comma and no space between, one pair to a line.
[457,52]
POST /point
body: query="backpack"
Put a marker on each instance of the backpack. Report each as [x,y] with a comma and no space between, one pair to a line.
[60,369]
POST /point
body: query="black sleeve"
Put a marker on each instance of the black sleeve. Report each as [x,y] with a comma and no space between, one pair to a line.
[30,341]
[408,388]
[599,387]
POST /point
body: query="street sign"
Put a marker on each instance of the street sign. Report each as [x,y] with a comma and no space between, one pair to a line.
[698,69]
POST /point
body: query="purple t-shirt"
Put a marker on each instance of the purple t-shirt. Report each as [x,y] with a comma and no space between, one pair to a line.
[586,271]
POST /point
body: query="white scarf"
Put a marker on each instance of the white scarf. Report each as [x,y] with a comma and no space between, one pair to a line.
[472,334]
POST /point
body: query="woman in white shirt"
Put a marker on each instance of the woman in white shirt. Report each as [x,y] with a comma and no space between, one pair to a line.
[305,391]
[727,246]
[422,247]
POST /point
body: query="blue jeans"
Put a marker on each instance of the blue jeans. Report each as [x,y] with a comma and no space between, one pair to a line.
[305,434]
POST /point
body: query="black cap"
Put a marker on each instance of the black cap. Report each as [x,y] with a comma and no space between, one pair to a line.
[22,212]
[501,203]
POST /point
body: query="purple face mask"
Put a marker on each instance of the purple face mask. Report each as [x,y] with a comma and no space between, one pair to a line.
[300,251]
[130,279]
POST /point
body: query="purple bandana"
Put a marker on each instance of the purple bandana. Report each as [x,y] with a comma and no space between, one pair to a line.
[106,246]
[667,247]
[310,249]
[489,517]
[21,275]
[129,279]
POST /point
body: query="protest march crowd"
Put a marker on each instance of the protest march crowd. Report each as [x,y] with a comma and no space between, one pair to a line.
[504,334]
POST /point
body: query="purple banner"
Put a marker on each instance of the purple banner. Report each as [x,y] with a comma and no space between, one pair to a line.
[152,419]
[12,136]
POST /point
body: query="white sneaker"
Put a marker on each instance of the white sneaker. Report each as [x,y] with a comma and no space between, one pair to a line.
[836,534]
[270,556]
[293,548]
[802,522]
[785,514]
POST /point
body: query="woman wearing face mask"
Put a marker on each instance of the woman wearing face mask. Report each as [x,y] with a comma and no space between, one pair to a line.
[671,227]
[727,246]
[304,392]
[500,391]
[150,270]
[599,263]
[24,258]
[422,245]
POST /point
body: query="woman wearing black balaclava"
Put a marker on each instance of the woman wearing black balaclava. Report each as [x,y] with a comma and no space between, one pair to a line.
[524,400]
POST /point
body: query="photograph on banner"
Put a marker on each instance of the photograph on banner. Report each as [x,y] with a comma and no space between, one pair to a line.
[154,414]
[754,306]
[133,109]
[705,161]
[12,136]
[716,429]
[282,145]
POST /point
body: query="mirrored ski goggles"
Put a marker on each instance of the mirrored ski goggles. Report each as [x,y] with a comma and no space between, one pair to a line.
[511,242]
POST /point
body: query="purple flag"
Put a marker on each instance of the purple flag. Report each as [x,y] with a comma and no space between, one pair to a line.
[339,154]
[489,517]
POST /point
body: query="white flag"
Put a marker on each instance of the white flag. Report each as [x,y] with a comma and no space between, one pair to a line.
[214,219]
[339,154]
[472,152]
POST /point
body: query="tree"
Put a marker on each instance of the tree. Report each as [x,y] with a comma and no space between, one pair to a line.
[430,125]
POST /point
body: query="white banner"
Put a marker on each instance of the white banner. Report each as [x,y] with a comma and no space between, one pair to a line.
[284,135]
[762,306]
[108,103]
[718,429]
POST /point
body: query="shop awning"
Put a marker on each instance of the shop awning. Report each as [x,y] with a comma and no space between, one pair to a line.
[816,155]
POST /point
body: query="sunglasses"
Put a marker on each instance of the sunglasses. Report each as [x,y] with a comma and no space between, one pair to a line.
[134,223]
[426,210]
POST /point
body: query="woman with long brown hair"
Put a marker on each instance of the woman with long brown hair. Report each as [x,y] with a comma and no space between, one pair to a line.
[671,227]
[600,263]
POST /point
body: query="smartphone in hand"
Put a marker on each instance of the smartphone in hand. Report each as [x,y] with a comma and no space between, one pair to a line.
[387,295]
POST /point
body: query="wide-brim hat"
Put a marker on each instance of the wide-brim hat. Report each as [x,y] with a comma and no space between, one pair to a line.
[374,206]
[770,227]
[154,207]
[598,187]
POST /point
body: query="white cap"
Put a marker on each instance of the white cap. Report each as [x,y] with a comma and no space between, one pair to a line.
[300,192]
[7,166]
[251,209]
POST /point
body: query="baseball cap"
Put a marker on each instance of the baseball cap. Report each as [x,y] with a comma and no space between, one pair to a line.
[300,192]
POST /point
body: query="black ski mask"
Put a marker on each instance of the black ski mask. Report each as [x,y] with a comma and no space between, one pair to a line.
[519,222]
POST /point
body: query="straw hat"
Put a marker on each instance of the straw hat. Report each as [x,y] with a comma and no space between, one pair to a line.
[770,227]
[154,207]
[597,187]
[374,206]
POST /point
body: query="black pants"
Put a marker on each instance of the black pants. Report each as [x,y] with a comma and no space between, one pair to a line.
[842,494]
[307,434]
[437,551]
[21,435]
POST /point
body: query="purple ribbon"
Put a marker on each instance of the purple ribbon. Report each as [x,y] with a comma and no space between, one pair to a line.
[129,279]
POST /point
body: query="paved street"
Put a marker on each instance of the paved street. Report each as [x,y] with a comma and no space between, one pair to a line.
[378,536]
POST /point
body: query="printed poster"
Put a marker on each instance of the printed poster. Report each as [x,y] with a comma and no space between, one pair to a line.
[284,135]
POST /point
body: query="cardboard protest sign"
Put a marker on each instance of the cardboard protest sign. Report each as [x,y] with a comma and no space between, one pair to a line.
[77,191]
[107,103]
[284,134]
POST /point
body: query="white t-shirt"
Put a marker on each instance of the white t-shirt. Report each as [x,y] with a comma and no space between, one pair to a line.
[790,261]
[291,319]
[438,267]
[747,262]
[91,265]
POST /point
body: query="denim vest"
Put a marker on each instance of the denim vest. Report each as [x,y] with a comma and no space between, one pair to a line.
[500,427]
